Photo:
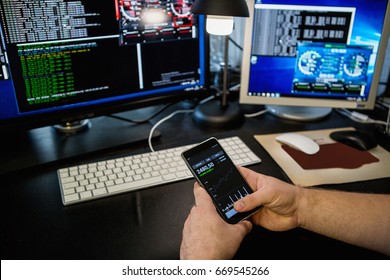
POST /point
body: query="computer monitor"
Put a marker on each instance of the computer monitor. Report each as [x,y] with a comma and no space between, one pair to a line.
[304,57]
[64,61]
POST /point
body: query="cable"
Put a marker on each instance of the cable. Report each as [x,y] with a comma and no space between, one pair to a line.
[161,121]
[256,114]
[388,123]
[252,115]
[207,99]
[383,103]
[144,120]
[235,43]
[359,117]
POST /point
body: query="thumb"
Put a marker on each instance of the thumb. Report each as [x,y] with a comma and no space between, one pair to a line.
[247,203]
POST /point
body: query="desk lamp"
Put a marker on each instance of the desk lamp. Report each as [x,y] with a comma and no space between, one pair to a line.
[219,21]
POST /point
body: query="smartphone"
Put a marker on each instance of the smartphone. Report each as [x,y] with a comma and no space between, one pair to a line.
[216,172]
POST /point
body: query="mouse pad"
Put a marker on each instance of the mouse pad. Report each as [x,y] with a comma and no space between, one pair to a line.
[335,164]
[332,155]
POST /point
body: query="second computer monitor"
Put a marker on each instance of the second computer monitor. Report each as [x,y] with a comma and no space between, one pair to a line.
[300,55]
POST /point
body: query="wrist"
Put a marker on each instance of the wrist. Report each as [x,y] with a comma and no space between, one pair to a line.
[303,205]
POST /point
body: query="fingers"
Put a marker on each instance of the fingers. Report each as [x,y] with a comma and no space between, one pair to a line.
[203,199]
[256,181]
[262,194]
[245,171]
[245,226]
[201,196]
[249,175]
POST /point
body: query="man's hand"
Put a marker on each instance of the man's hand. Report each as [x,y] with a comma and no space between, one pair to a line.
[206,235]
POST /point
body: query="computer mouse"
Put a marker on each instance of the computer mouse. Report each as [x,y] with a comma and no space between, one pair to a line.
[354,138]
[299,142]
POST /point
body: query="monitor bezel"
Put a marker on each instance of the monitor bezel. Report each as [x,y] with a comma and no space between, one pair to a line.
[70,115]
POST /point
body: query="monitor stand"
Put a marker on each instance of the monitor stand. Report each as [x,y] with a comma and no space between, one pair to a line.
[299,113]
[73,127]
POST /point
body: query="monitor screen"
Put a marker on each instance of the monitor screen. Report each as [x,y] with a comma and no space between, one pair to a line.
[314,53]
[66,60]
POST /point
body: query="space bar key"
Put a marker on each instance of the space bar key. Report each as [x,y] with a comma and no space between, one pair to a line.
[135,184]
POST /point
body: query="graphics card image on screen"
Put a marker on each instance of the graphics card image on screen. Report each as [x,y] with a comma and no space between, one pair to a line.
[327,67]
[153,21]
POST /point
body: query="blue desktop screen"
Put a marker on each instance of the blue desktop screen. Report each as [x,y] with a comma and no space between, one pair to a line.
[324,49]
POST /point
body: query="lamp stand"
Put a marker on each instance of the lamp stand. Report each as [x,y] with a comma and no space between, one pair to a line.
[220,113]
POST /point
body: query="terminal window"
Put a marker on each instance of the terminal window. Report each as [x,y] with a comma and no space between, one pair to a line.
[62,52]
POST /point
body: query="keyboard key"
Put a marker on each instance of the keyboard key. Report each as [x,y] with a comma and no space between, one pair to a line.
[71,197]
[134,185]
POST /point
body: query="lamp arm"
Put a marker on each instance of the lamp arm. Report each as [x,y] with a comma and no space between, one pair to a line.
[224,101]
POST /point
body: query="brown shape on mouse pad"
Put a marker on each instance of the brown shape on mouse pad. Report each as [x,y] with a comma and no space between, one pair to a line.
[333,155]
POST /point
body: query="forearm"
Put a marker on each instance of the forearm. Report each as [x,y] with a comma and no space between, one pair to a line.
[359,219]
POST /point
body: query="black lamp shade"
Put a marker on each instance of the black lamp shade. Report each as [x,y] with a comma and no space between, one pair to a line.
[236,8]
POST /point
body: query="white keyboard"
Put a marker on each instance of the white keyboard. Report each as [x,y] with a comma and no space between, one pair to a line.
[110,177]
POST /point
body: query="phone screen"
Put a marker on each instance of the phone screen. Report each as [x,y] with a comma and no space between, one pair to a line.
[216,172]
